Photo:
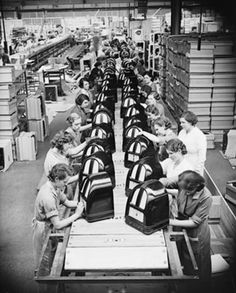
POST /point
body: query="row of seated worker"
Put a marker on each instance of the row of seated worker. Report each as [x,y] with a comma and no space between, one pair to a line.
[89,86]
[182,157]
[185,151]
[61,168]
[126,56]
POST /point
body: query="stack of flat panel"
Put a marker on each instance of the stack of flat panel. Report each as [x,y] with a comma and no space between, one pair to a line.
[202,81]
[26,146]
[36,115]
[189,74]
[9,126]
[162,65]
[224,88]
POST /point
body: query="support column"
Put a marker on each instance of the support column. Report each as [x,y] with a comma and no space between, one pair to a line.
[176,6]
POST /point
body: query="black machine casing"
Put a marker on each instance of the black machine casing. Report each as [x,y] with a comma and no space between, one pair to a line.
[131,132]
[106,132]
[135,110]
[102,116]
[95,145]
[134,149]
[144,169]
[127,102]
[147,207]
[96,163]
[97,195]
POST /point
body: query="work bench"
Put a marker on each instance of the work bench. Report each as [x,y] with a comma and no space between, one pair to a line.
[109,254]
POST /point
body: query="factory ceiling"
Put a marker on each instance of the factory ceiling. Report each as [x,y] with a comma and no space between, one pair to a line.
[53,5]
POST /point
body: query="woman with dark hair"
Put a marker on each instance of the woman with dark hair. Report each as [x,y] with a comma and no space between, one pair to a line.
[176,163]
[82,108]
[148,86]
[84,89]
[194,139]
[46,210]
[194,202]
[96,72]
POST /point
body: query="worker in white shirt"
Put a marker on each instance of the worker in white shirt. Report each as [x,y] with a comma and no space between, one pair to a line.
[194,139]
[176,163]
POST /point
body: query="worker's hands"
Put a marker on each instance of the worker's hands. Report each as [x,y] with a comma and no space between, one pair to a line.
[79,209]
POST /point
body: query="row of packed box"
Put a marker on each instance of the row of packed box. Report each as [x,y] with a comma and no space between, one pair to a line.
[203,82]
[208,46]
[15,145]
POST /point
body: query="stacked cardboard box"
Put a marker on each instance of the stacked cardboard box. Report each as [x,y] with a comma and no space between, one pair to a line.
[36,115]
[224,87]
[9,128]
[203,80]
[162,65]
[26,146]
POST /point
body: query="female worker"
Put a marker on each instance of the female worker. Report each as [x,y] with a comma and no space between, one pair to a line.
[176,163]
[153,112]
[46,210]
[82,108]
[194,202]
[148,86]
[162,134]
[194,139]
[96,72]
[84,89]
[75,127]
[61,151]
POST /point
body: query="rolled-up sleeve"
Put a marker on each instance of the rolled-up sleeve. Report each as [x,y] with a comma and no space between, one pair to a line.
[50,208]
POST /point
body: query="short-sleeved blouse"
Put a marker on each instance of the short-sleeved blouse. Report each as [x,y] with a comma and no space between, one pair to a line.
[47,202]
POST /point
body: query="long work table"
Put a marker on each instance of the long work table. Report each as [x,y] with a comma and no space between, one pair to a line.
[40,54]
[109,254]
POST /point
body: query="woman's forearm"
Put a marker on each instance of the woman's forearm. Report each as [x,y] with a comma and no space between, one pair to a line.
[71,203]
[60,224]
[76,150]
[73,179]
[150,136]
[85,127]
[183,223]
